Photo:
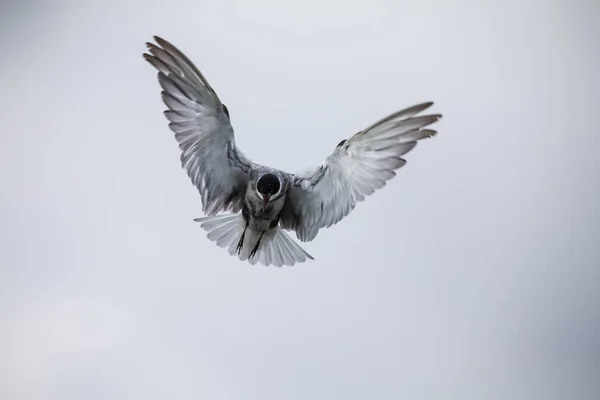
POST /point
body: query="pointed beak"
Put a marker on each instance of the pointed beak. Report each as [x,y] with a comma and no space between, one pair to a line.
[265,201]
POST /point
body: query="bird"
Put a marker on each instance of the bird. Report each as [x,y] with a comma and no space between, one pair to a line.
[248,207]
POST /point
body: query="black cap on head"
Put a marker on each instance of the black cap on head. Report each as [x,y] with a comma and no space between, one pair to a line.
[268,184]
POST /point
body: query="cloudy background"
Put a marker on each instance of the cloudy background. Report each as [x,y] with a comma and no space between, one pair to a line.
[473,275]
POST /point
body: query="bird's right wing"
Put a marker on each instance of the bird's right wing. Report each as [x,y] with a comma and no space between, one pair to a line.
[203,129]
[356,168]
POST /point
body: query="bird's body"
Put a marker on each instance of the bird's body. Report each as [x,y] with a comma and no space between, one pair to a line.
[263,201]
[263,205]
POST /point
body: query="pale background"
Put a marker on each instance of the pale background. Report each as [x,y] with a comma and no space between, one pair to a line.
[473,275]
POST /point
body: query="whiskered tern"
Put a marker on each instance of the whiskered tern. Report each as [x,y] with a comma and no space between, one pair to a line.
[260,202]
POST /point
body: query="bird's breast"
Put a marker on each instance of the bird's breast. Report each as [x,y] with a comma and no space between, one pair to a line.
[262,219]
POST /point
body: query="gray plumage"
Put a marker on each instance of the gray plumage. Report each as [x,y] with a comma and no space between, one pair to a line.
[263,202]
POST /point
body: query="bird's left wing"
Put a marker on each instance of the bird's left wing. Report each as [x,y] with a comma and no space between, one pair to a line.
[356,168]
[202,128]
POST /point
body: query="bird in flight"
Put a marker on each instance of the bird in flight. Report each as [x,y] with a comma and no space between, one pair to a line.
[260,202]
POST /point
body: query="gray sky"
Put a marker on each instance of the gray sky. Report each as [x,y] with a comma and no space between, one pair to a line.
[473,275]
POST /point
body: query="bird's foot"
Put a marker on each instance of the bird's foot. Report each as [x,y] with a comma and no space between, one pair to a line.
[255,249]
[240,244]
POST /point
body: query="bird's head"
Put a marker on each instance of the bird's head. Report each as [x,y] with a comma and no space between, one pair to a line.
[268,186]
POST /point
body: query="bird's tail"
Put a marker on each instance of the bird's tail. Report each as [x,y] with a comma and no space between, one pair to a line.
[276,247]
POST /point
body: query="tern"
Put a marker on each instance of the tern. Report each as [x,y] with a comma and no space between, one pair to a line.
[249,207]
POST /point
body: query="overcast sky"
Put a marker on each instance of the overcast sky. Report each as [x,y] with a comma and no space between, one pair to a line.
[473,275]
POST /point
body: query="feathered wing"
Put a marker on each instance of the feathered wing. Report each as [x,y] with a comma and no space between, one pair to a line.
[356,169]
[202,128]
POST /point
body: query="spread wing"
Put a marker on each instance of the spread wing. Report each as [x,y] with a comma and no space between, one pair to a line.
[202,128]
[356,169]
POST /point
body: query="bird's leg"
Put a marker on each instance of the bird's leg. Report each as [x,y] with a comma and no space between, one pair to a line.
[255,249]
[241,242]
